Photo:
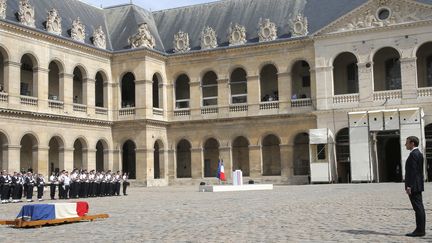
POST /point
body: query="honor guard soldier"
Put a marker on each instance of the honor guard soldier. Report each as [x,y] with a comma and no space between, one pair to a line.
[125,183]
[118,178]
[66,184]
[53,180]
[6,181]
[30,183]
[40,182]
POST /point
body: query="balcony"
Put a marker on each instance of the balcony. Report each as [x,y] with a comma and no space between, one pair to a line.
[55,104]
[157,111]
[305,102]
[270,105]
[209,110]
[346,98]
[387,95]
[424,92]
[4,97]
[29,100]
[79,107]
[238,108]
[130,111]
[182,112]
[101,111]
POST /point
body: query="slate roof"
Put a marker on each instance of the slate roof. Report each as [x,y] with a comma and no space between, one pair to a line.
[120,22]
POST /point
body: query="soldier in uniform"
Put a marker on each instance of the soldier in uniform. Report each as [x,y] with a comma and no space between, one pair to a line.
[125,183]
[30,182]
[66,184]
[117,184]
[53,180]
[40,184]
[18,191]
[6,181]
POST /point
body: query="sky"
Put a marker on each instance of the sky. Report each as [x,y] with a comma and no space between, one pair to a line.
[148,4]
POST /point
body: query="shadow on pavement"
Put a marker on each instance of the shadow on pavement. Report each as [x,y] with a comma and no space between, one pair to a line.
[366,232]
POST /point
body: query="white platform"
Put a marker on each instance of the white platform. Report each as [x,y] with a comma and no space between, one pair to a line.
[231,188]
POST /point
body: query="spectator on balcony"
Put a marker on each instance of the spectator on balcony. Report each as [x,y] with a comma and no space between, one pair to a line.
[75,99]
[294,97]
[1,89]
[303,96]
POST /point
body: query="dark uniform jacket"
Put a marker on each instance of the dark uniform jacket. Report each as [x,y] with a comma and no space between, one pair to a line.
[414,171]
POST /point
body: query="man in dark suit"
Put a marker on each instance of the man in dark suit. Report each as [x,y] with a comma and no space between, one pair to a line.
[414,185]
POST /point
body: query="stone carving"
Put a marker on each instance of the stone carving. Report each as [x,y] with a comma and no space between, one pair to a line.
[99,38]
[181,42]
[208,38]
[3,7]
[381,13]
[26,14]
[53,24]
[236,35]
[267,30]
[78,30]
[299,26]
[143,38]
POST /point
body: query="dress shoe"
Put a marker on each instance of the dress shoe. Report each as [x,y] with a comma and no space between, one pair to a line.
[416,234]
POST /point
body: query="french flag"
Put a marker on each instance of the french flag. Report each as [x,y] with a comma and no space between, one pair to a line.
[53,211]
[221,171]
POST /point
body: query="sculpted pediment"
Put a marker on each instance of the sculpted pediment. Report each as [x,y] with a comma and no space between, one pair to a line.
[26,13]
[143,38]
[380,13]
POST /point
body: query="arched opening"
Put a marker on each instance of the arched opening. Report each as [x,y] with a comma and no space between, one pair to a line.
[101,156]
[428,154]
[129,159]
[301,154]
[128,90]
[209,89]
[388,149]
[238,86]
[99,90]
[54,81]
[28,76]
[211,157]
[182,92]
[345,74]
[424,65]
[184,160]
[3,151]
[2,71]
[301,80]
[78,85]
[240,155]
[269,83]
[55,154]
[343,156]
[271,156]
[78,158]
[157,91]
[158,160]
[387,70]
[28,153]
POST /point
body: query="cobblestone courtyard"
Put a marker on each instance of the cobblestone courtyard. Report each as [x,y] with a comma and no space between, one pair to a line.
[311,213]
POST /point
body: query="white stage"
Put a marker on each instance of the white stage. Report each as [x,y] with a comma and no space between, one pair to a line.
[231,188]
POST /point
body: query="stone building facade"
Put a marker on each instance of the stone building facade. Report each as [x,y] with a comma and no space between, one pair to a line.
[165,95]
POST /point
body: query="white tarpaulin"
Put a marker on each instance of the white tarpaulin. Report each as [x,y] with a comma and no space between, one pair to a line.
[318,136]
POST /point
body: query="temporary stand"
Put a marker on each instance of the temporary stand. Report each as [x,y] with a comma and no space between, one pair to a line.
[19,223]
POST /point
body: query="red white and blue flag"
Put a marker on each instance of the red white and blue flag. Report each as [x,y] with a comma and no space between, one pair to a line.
[53,211]
[221,170]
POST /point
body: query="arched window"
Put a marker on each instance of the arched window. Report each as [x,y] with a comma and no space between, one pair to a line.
[424,65]
[387,70]
[345,74]
[271,156]
[157,91]
[301,80]
[54,82]
[301,154]
[209,89]
[182,92]
[99,90]
[238,84]
[3,151]
[129,159]
[211,157]
[28,157]
[28,76]
[184,161]
[79,158]
[56,154]
[101,156]
[269,83]
[78,85]
[240,155]
[3,59]
[128,91]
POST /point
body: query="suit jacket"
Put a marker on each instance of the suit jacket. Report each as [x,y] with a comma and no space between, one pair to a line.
[414,171]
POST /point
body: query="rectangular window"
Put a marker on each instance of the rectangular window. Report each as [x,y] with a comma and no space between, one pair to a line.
[321,151]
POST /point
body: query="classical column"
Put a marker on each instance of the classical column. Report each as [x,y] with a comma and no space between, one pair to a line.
[141,164]
[285,91]
[89,95]
[323,84]
[12,82]
[66,91]
[195,99]
[225,154]
[255,160]
[66,163]
[197,163]
[109,160]
[409,80]
[253,94]
[42,164]
[223,96]
[171,168]
[365,81]
[89,159]
[11,158]
[150,163]
[40,87]
[143,107]
[286,153]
